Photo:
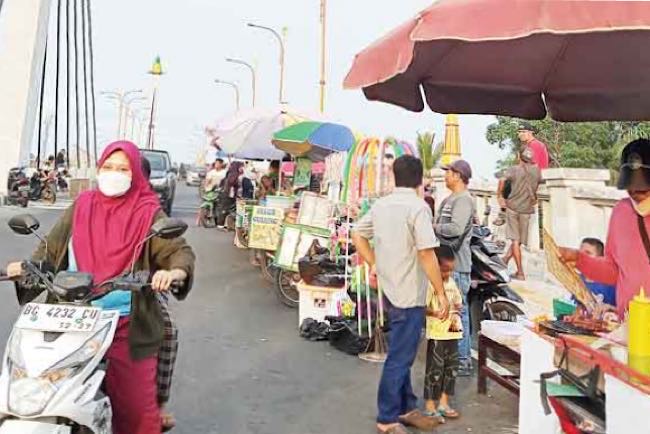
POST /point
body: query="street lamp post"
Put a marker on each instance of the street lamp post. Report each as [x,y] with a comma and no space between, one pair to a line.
[128,112]
[156,71]
[251,68]
[323,58]
[234,86]
[282,52]
[120,97]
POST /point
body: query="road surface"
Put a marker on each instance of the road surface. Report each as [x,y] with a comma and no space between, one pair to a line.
[243,369]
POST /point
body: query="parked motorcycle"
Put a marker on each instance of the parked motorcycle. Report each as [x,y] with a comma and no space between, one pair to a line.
[53,367]
[490,296]
[18,187]
[42,187]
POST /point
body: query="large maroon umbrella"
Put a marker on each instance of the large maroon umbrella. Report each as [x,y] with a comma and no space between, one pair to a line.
[579,60]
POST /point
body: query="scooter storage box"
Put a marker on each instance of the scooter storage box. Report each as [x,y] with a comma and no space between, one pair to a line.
[32,427]
[317,302]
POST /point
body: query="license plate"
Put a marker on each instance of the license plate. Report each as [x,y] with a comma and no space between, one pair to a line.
[58,317]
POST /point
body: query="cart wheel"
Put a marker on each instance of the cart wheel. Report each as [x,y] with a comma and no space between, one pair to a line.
[286,287]
[242,237]
[266,265]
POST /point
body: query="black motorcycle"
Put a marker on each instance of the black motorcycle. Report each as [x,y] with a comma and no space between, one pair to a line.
[42,187]
[490,297]
[18,187]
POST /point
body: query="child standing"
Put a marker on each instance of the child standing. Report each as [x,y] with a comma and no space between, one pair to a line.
[443,335]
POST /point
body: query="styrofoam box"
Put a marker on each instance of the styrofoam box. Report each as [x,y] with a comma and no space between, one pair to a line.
[504,332]
[317,302]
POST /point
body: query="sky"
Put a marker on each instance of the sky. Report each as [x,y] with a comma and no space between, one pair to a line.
[193,38]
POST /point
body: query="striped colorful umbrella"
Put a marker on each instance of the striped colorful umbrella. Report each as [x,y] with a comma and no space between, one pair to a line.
[314,140]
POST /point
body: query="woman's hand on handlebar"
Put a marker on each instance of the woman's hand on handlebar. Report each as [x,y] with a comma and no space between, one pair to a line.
[162,280]
[14,269]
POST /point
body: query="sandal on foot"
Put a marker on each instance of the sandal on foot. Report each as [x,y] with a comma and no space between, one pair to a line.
[518,276]
[418,420]
[167,421]
[395,429]
[448,413]
[436,415]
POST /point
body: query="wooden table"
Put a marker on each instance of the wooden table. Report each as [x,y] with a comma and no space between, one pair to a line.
[510,382]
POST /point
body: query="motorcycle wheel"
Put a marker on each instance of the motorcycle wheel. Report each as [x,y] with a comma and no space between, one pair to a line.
[206,219]
[48,195]
[285,287]
[499,310]
[502,311]
[266,264]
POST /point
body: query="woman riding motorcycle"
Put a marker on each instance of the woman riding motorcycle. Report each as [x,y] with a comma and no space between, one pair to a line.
[98,234]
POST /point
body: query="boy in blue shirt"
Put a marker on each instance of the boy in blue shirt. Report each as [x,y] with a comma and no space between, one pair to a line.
[595,247]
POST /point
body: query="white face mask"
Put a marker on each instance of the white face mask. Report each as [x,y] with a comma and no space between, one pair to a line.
[113,184]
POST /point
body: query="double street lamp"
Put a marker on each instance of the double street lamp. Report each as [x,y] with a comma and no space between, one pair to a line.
[234,86]
[121,96]
[251,68]
[281,42]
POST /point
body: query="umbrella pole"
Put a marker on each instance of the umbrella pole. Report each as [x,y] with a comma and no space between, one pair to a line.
[358,273]
[369,308]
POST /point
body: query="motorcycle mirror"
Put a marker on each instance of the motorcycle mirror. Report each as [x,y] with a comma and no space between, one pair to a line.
[24,224]
[168,228]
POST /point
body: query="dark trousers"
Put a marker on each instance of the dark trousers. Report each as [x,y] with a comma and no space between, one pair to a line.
[395,396]
[442,368]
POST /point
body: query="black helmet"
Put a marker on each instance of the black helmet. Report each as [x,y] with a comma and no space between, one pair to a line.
[634,173]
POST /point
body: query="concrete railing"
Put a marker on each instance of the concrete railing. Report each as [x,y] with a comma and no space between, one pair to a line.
[573,204]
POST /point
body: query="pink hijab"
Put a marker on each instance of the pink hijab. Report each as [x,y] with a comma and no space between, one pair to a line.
[106,230]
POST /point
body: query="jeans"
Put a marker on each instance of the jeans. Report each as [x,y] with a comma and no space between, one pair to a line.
[463,282]
[395,396]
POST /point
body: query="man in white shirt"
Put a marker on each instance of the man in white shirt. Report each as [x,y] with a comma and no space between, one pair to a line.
[216,175]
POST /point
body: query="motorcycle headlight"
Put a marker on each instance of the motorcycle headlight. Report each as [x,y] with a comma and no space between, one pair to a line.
[158,182]
[28,396]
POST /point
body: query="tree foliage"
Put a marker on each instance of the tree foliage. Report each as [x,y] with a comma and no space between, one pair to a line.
[580,144]
[429,154]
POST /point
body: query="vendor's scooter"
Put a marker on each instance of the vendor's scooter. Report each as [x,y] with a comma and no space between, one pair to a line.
[490,296]
[53,367]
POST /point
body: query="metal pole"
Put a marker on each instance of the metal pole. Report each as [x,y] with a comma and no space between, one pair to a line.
[67,88]
[323,23]
[234,86]
[282,53]
[85,70]
[76,84]
[92,76]
[151,125]
[251,68]
[40,111]
[56,88]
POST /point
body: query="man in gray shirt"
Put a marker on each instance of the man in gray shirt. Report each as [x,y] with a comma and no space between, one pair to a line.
[453,227]
[400,225]
[520,205]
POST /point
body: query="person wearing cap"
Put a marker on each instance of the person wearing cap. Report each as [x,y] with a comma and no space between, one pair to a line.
[520,205]
[526,133]
[452,226]
[626,263]
[405,262]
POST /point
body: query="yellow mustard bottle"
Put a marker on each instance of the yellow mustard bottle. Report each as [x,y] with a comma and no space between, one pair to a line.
[639,333]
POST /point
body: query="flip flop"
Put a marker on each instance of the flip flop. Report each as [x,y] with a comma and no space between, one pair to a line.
[448,413]
[436,415]
[167,422]
[396,429]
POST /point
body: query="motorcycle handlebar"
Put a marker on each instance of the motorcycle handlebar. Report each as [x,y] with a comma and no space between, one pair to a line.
[3,275]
